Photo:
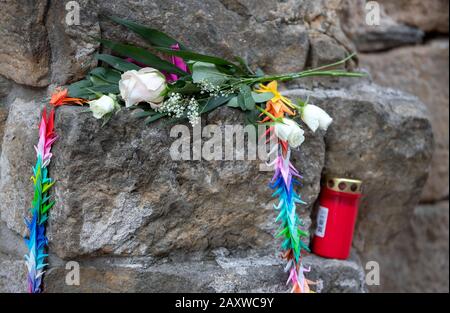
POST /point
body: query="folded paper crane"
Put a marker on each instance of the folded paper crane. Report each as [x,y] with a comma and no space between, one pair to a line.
[41,204]
[283,181]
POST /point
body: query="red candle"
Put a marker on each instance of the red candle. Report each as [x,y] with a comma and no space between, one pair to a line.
[336,217]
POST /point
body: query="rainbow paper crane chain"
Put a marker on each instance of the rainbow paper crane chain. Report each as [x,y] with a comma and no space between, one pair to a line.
[37,241]
[288,133]
[283,181]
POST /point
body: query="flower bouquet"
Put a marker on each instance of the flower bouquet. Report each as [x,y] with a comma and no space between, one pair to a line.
[168,80]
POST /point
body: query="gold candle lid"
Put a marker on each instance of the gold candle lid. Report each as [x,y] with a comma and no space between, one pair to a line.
[343,184]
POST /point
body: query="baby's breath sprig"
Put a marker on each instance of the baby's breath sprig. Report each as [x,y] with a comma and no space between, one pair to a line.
[208,87]
[193,114]
[177,106]
[173,106]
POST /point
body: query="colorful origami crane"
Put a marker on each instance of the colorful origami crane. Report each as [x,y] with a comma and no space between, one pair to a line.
[37,241]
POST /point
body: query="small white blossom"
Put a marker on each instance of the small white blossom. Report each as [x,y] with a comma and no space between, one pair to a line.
[193,112]
[174,106]
[209,88]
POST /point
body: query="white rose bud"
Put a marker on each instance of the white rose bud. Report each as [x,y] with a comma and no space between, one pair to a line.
[145,85]
[291,132]
[102,106]
[315,117]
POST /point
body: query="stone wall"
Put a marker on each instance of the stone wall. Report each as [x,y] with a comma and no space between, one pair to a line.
[421,68]
[137,221]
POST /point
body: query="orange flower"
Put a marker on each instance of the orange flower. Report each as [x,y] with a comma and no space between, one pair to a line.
[279,104]
[273,88]
[277,109]
[61,97]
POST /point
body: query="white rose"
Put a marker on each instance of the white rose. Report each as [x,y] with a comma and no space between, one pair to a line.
[290,131]
[315,117]
[145,85]
[102,106]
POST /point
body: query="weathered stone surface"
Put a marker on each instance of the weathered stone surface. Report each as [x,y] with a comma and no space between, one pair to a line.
[43,35]
[3,116]
[12,244]
[9,92]
[196,207]
[137,201]
[12,275]
[389,147]
[422,71]
[388,34]
[12,264]
[418,257]
[4,91]
[336,275]
[223,273]
[430,16]
[72,41]
[16,177]
[5,86]
[24,52]
[325,50]
[252,30]
[401,22]
[323,17]
[214,26]
[174,206]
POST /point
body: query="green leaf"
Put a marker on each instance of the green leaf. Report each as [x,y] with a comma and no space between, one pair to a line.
[77,90]
[142,114]
[194,56]
[144,56]
[95,94]
[85,89]
[207,71]
[259,72]
[117,63]
[151,35]
[105,89]
[214,103]
[252,117]
[104,76]
[262,97]
[233,103]
[245,98]
[153,118]
[184,88]
[163,43]
[97,81]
